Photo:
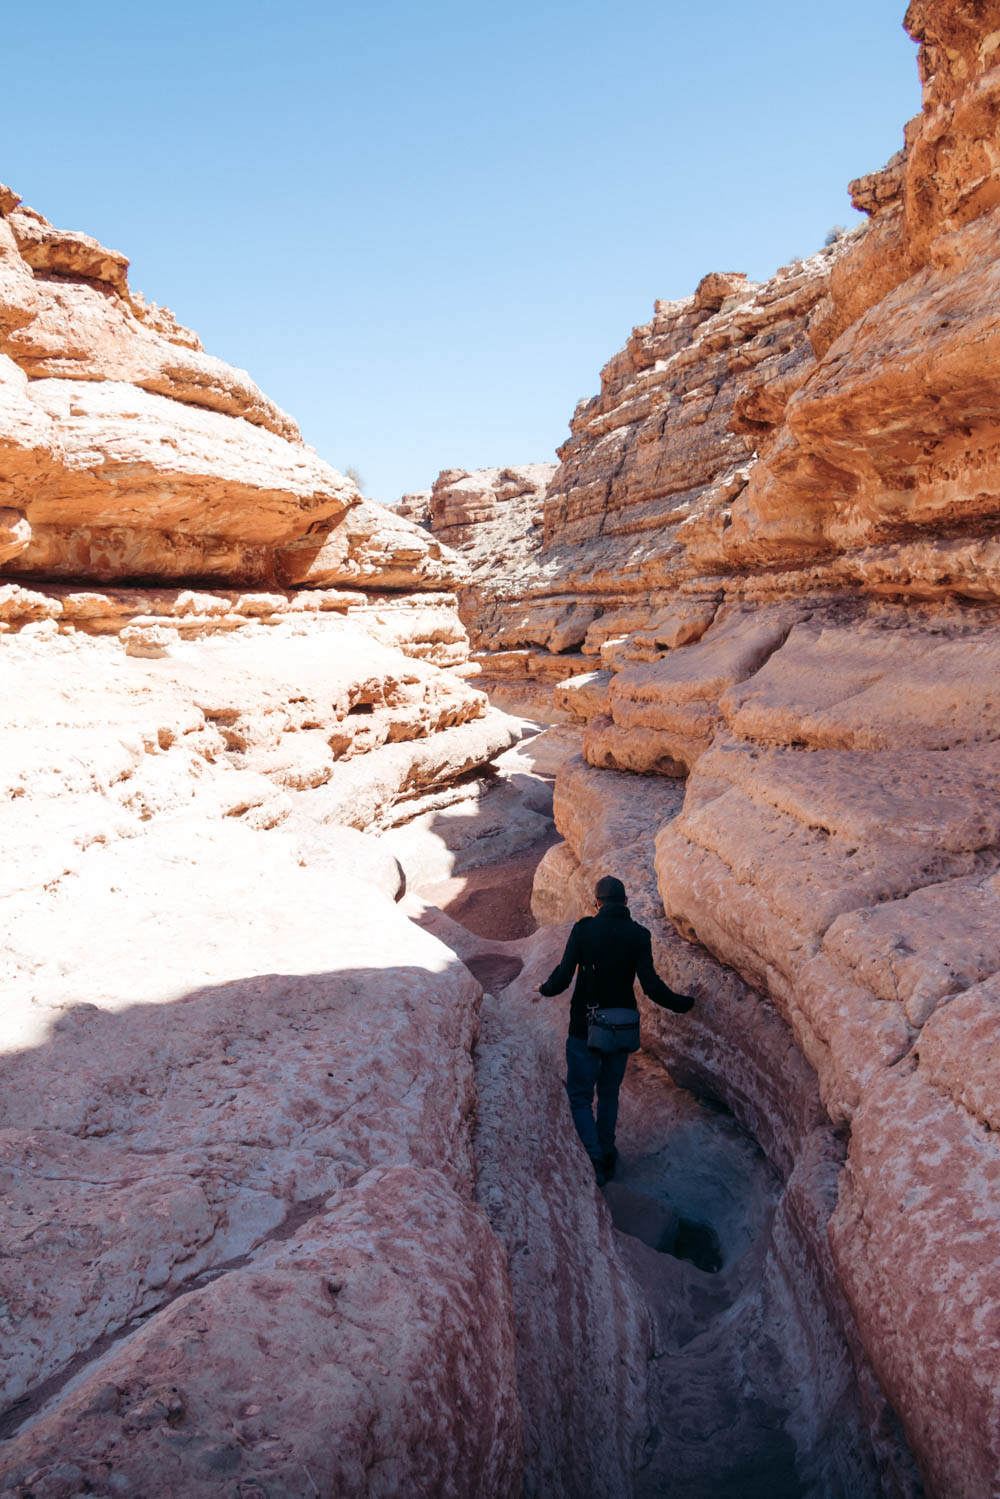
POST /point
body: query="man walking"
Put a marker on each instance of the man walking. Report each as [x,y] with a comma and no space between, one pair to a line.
[610,950]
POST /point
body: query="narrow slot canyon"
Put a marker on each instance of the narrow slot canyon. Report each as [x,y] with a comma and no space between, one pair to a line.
[669,1334]
[302,793]
[739,1378]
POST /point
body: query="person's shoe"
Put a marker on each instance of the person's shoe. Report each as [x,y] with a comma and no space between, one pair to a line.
[599,1171]
[609,1163]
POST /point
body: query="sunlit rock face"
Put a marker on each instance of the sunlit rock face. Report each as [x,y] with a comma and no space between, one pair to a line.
[492,518]
[770,576]
[244,1248]
[133,456]
[256,1241]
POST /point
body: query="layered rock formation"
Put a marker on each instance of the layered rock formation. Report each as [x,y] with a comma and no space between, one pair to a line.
[243,1245]
[770,540]
[492,517]
[279,1219]
[240,1204]
[129,454]
[641,505]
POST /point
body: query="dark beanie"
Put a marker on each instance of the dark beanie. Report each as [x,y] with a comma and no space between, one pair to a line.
[609,888]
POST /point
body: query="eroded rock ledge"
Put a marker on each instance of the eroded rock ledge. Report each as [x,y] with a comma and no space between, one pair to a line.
[261,1240]
[243,1248]
[767,592]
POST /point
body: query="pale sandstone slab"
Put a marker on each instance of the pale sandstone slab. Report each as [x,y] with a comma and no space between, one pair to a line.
[925,801]
[369,546]
[82,331]
[585,696]
[389,1366]
[869,686]
[914,1238]
[615,625]
[131,458]
[734,649]
[958,1052]
[30,448]
[837,878]
[680,624]
[782,861]
[843,1032]
[383,787]
[430,631]
[232,1133]
[19,299]
[924,948]
[662,716]
[541,753]
[600,820]
[97,743]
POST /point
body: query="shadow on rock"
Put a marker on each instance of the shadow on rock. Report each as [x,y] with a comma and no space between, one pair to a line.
[242,1247]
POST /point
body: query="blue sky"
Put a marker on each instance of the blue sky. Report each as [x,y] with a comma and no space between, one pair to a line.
[423,228]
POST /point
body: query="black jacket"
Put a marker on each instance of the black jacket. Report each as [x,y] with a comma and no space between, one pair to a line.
[610,950]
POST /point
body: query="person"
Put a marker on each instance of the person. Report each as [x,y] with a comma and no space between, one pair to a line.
[616,949]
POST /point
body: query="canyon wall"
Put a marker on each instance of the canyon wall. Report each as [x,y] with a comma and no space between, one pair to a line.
[493,519]
[278,1222]
[768,583]
[242,1247]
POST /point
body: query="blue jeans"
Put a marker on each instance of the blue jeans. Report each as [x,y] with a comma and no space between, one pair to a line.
[586,1071]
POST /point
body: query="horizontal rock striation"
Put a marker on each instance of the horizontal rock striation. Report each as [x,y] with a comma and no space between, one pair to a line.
[157,499]
[769,569]
[244,1250]
[764,588]
[832,429]
[128,454]
[489,510]
[492,518]
[643,497]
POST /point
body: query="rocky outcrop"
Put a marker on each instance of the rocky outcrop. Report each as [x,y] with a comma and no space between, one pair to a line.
[240,1204]
[256,1237]
[128,454]
[768,567]
[492,518]
[641,504]
[490,510]
[244,1244]
[828,430]
[642,499]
